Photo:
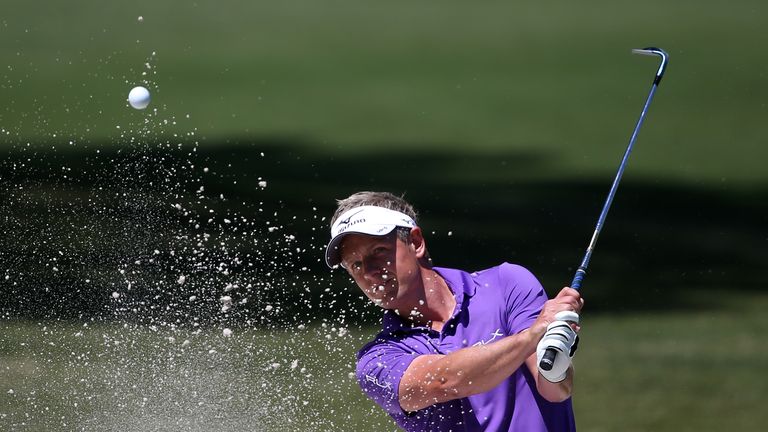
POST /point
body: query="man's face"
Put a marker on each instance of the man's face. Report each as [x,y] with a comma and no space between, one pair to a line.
[382,266]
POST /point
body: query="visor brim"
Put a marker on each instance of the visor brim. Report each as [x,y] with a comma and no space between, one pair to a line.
[333,250]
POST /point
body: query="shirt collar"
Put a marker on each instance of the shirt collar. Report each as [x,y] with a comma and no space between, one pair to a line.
[459,282]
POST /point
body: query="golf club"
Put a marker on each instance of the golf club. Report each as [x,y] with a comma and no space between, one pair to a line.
[549,356]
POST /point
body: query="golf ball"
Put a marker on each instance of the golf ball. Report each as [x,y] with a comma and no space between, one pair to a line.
[139,97]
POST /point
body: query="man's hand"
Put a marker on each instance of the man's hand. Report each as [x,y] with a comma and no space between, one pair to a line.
[563,340]
[567,300]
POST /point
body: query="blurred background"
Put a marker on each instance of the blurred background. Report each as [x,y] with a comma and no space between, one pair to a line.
[162,269]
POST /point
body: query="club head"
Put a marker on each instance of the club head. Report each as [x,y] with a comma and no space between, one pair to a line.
[653,51]
[648,51]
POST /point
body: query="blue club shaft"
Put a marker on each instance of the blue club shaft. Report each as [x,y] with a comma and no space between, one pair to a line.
[548,358]
[581,271]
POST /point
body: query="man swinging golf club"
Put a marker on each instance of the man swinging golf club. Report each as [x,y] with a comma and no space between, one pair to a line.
[482,351]
[458,350]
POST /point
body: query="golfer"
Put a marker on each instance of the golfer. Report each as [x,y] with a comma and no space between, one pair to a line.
[458,351]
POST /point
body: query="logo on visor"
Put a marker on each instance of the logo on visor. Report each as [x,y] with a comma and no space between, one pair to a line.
[346,221]
[344,224]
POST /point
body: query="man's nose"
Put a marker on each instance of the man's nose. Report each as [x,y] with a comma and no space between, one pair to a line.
[372,268]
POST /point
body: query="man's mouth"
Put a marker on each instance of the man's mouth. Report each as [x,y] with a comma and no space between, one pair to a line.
[378,289]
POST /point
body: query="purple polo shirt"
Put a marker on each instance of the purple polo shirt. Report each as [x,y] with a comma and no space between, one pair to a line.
[490,304]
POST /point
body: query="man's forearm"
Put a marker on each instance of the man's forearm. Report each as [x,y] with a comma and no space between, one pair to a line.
[438,378]
[553,392]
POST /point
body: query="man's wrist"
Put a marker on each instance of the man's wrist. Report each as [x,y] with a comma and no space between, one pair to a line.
[537,331]
[530,340]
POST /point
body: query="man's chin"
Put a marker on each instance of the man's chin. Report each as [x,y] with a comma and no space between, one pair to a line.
[385,293]
[383,303]
[387,304]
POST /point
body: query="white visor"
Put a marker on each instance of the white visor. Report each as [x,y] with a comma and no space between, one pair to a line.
[371,220]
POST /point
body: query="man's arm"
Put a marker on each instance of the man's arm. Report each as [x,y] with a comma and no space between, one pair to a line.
[553,392]
[432,379]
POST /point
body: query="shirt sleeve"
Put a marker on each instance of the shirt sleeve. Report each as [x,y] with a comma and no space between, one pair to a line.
[525,297]
[380,366]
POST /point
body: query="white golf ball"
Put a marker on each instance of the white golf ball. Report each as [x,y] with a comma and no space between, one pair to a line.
[139,97]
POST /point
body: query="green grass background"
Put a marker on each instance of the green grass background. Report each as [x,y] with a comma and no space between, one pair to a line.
[358,77]
[691,371]
[426,88]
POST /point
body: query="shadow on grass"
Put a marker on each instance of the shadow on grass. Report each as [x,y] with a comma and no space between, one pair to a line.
[80,225]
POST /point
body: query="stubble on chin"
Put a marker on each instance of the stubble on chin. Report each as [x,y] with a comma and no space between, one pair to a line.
[382,294]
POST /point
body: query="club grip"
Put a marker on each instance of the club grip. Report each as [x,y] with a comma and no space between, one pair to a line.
[548,359]
[577,278]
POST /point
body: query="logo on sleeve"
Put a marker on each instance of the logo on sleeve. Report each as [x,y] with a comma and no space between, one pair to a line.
[495,335]
[382,385]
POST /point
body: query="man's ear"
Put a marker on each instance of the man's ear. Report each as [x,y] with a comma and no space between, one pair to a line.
[418,243]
